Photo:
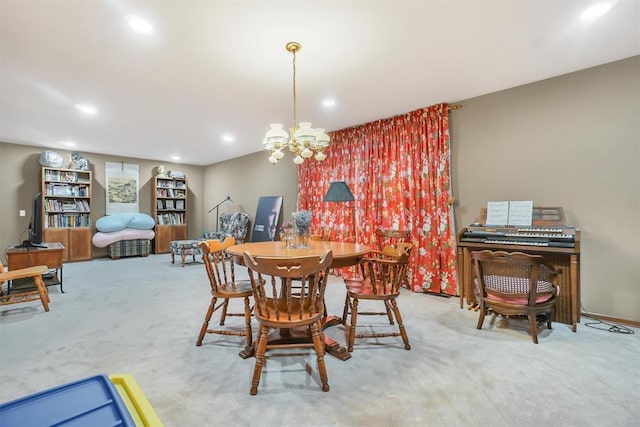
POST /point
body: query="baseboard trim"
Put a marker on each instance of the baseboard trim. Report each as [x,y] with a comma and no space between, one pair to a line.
[612,319]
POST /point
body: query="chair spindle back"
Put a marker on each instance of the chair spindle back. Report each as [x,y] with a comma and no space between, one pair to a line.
[219,269]
[271,281]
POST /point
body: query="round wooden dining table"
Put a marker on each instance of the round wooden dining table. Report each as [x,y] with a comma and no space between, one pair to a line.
[345,254]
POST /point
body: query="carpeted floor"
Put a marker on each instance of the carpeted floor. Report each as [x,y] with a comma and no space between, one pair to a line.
[142,315]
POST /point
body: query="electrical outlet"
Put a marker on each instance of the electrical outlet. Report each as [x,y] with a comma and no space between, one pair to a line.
[23,212]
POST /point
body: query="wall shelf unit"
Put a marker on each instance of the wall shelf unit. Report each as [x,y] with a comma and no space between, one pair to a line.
[169,207]
[66,211]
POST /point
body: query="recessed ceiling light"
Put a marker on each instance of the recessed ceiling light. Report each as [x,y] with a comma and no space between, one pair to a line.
[329,102]
[86,109]
[596,10]
[227,137]
[175,158]
[68,143]
[139,24]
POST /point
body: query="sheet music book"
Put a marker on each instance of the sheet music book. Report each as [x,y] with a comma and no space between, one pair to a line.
[520,213]
[497,213]
[510,213]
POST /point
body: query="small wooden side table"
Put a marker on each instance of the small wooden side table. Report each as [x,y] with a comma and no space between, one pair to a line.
[50,255]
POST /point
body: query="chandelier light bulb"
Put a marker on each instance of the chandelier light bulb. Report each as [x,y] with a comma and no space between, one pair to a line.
[298,160]
[306,153]
[277,154]
[320,156]
[273,160]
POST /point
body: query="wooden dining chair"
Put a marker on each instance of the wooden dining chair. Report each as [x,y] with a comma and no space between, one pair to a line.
[277,307]
[388,237]
[224,286]
[28,294]
[391,241]
[382,276]
[515,284]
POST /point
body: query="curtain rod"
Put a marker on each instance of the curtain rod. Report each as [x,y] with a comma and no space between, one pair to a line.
[454,107]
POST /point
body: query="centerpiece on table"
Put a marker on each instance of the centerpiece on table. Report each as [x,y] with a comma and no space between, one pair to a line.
[302,220]
[288,234]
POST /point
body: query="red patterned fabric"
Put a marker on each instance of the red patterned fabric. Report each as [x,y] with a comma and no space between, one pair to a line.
[398,170]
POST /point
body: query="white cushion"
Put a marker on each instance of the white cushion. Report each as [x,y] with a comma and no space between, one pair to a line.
[102,240]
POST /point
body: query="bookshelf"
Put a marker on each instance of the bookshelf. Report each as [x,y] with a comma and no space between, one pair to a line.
[66,211]
[169,207]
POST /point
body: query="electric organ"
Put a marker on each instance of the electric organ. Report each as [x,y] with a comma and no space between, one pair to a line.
[548,236]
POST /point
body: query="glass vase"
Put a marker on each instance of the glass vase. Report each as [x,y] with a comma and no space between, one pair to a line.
[290,238]
[302,239]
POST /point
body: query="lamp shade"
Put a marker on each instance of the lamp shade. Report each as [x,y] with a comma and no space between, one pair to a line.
[339,192]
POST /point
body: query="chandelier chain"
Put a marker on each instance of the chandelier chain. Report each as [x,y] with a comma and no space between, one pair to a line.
[295,121]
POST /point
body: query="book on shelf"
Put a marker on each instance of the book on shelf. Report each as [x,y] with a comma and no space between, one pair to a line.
[171,219]
[165,183]
[69,206]
[66,220]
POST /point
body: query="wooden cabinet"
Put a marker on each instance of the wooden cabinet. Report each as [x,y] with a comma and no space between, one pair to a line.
[165,234]
[170,209]
[66,206]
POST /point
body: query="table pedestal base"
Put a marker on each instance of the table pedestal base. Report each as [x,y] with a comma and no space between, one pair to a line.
[286,337]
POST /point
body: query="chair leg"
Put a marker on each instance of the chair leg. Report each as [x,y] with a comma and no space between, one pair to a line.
[205,324]
[352,329]
[223,315]
[345,311]
[533,325]
[483,312]
[550,314]
[405,282]
[260,359]
[247,321]
[42,291]
[318,345]
[403,331]
[389,315]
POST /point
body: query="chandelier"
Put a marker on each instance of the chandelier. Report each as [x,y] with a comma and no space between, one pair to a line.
[302,140]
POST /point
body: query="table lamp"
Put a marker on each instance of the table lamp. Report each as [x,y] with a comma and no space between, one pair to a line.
[339,192]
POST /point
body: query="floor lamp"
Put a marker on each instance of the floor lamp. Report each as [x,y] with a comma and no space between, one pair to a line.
[339,192]
[227,200]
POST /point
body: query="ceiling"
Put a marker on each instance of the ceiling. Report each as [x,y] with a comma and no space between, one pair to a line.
[211,68]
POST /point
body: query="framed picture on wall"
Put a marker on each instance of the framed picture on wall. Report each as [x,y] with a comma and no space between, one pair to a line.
[265,226]
[122,187]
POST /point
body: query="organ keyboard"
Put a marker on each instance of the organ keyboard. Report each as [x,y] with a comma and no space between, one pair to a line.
[548,236]
[563,237]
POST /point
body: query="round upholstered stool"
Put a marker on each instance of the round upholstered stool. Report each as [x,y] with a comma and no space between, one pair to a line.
[184,248]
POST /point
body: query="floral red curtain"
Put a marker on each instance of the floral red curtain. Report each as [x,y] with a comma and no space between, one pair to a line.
[398,171]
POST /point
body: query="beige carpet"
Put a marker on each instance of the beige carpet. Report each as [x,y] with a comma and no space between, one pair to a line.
[141,316]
